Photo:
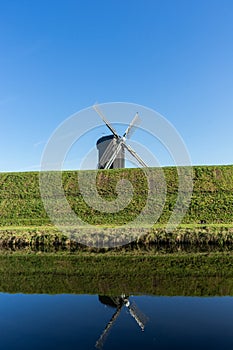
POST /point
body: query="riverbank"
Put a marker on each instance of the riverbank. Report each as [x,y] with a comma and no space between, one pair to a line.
[49,236]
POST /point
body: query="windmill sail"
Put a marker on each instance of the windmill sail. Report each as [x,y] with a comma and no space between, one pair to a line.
[100,342]
[139,317]
[135,155]
[111,128]
[132,126]
[114,155]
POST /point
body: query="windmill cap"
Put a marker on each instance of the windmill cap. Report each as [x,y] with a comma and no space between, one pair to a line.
[104,138]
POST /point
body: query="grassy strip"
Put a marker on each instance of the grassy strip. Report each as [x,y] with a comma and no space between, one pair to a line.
[212,200]
[114,273]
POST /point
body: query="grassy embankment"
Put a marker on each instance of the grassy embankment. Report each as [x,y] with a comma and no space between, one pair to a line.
[209,218]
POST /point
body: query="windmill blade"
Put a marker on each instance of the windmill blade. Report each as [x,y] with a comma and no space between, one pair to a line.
[132,126]
[139,317]
[105,120]
[100,342]
[107,153]
[135,155]
[114,155]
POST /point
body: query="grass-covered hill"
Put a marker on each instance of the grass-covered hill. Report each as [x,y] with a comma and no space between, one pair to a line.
[212,199]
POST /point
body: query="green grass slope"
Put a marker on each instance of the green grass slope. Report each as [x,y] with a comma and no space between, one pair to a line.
[212,199]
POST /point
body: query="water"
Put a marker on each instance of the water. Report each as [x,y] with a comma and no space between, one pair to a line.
[41,317]
[69,321]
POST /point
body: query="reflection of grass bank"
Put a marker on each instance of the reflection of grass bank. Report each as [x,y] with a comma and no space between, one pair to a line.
[115,273]
[194,235]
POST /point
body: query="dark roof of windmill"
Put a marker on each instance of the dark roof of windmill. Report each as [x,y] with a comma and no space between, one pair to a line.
[113,301]
[104,138]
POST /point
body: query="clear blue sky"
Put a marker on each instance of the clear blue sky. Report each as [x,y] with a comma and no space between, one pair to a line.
[60,56]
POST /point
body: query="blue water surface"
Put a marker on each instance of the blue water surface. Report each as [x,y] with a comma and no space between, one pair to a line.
[77,322]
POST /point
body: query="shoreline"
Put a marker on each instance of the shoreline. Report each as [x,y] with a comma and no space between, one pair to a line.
[49,236]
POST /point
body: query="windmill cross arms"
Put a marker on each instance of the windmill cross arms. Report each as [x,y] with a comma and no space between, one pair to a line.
[114,155]
[137,319]
[108,156]
[132,126]
[100,342]
[105,121]
[135,155]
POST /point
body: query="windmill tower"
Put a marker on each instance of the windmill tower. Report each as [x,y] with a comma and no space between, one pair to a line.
[102,145]
[112,148]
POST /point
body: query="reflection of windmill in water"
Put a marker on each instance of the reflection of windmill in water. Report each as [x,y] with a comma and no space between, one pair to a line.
[112,147]
[119,302]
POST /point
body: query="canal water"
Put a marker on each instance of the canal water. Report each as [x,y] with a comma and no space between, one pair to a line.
[70,321]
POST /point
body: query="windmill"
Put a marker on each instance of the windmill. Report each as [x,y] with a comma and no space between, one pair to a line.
[112,147]
[119,302]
